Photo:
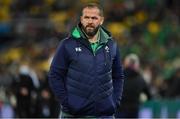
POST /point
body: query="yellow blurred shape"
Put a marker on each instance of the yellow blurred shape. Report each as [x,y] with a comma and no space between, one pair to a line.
[140,17]
[116,28]
[44,65]
[153,27]
[60,16]
[49,2]
[5,2]
[58,19]
[4,14]
[12,54]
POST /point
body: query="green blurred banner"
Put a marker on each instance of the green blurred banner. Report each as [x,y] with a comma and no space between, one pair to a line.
[160,109]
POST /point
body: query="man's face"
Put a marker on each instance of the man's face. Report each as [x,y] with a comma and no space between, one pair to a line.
[91,20]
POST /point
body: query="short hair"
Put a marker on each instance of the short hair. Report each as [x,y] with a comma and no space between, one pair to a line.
[132,60]
[93,5]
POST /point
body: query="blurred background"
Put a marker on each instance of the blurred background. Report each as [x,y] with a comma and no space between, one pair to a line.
[30,31]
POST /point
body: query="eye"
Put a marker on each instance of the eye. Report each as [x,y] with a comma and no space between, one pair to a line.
[86,17]
[95,18]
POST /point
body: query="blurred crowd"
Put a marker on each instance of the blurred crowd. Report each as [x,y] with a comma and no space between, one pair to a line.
[30,31]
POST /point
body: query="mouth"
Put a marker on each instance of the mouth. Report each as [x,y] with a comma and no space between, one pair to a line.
[89,26]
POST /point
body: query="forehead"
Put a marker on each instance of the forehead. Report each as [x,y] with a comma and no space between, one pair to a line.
[91,11]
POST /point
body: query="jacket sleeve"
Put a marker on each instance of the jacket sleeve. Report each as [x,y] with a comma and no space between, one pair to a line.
[118,78]
[57,74]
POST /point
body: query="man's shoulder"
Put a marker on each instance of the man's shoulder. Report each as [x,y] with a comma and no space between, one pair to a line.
[67,43]
[67,40]
[112,43]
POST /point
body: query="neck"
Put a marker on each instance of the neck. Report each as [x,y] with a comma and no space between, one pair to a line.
[94,38]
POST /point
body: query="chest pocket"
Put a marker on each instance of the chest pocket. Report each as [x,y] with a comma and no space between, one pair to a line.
[81,58]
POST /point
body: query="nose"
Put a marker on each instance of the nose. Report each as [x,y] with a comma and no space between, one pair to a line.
[90,20]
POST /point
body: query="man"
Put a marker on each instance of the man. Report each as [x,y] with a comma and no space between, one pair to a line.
[134,86]
[86,75]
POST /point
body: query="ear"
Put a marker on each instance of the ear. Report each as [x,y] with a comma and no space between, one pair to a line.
[102,20]
[81,18]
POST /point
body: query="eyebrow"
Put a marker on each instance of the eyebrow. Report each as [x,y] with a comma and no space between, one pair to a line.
[93,17]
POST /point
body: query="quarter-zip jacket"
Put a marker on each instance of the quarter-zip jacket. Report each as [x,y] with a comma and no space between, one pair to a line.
[87,83]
